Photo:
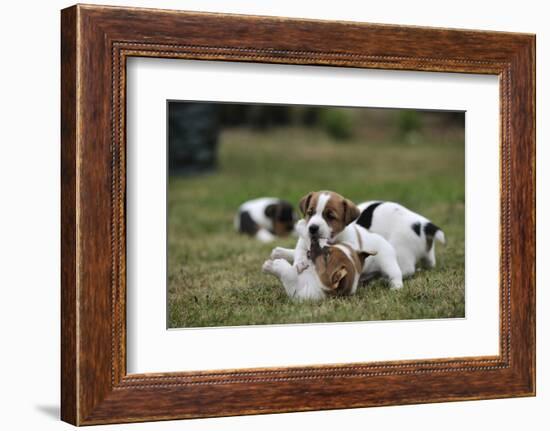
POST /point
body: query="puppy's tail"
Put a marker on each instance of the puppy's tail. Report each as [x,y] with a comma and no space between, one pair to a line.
[433,232]
[440,236]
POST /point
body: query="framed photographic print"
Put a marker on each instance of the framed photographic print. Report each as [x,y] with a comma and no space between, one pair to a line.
[265,215]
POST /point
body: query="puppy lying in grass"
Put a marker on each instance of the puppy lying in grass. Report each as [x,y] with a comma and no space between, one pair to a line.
[330,270]
[265,219]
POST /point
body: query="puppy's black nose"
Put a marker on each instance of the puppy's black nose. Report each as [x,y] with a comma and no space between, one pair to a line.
[313,229]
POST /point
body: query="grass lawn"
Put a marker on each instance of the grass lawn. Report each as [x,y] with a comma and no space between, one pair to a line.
[214,274]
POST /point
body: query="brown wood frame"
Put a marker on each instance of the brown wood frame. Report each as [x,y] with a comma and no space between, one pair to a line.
[95,43]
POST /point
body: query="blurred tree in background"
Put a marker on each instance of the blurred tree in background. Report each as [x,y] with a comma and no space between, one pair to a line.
[193,130]
[338,123]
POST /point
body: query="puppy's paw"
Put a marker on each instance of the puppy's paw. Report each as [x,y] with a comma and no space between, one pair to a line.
[264,236]
[278,253]
[268,267]
[396,284]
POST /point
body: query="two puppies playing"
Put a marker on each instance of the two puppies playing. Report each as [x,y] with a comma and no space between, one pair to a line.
[321,270]
[336,249]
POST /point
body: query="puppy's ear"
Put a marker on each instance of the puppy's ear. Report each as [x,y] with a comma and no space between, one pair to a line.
[286,211]
[270,211]
[351,212]
[337,276]
[364,254]
[304,202]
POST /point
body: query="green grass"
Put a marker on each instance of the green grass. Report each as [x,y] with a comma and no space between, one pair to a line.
[214,274]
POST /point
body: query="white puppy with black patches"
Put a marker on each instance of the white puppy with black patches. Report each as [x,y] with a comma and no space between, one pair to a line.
[265,218]
[329,217]
[412,235]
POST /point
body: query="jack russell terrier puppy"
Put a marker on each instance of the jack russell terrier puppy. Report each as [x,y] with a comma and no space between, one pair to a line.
[329,217]
[329,270]
[265,218]
[411,234]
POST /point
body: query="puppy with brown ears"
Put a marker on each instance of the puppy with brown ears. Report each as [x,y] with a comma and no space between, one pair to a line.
[329,270]
[338,267]
[265,219]
[329,217]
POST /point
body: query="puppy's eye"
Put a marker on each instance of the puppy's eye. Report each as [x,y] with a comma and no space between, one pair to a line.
[310,212]
[330,216]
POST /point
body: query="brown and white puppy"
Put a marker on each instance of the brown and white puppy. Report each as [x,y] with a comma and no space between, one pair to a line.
[338,266]
[327,213]
[330,270]
[328,217]
[265,218]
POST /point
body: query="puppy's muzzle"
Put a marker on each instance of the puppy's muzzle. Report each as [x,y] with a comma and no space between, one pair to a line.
[314,230]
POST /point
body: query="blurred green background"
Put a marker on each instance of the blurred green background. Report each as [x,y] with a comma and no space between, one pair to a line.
[221,155]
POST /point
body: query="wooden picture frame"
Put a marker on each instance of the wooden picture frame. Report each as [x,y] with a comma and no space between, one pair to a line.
[95,43]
